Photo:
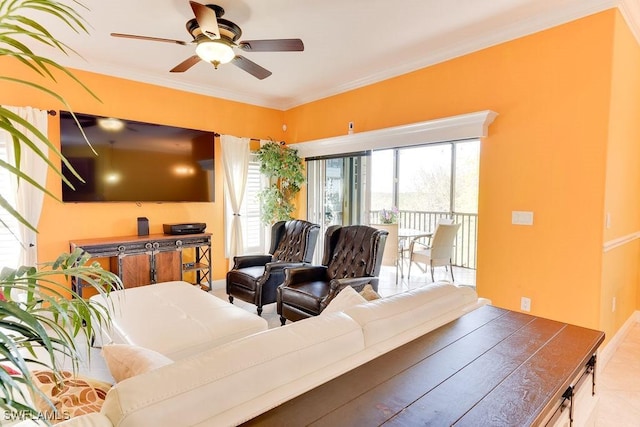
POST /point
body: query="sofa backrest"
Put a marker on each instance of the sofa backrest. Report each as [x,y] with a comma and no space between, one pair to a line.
[215,386]
[392,321]
[241,379]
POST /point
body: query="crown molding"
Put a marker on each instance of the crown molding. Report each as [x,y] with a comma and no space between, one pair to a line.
[114,71]
[491,37]
[630,10]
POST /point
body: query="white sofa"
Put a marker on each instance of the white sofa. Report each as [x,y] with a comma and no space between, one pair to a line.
[243,378]
[175,319]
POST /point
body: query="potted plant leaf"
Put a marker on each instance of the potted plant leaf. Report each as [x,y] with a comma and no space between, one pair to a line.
[285,171]
[36,313]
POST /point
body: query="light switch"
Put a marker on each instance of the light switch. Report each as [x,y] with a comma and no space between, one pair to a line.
[522,218]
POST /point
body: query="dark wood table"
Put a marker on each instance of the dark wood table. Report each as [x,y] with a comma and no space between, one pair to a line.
[490,367]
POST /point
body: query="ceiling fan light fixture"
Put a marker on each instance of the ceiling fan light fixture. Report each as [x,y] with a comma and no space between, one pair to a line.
[215,51]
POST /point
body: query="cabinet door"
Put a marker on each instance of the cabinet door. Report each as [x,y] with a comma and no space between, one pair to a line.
[168,266]
[134,270]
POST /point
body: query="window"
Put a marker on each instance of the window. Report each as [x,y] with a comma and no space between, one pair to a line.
[438,178]
[9,243]
[383,180]
[467,174]
[424,178]
[253,230]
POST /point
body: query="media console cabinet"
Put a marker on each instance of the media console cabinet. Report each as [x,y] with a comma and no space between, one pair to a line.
[144,260]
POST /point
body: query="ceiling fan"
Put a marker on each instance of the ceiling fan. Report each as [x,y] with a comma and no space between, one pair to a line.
[215,38]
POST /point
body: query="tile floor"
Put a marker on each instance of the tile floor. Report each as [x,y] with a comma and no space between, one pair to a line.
[389,286]
[618,384]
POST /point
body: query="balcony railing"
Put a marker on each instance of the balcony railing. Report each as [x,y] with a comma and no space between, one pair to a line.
[465,247]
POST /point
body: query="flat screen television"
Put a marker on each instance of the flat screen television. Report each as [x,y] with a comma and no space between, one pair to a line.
[135,161]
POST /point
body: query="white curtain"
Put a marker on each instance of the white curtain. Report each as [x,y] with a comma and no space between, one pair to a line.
[28,198]
[235,160]
[266,227]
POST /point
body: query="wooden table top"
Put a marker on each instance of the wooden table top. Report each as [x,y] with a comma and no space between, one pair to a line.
[489,367]
[132,238]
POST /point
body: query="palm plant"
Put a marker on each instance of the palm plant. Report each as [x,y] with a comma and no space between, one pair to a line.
[35,311]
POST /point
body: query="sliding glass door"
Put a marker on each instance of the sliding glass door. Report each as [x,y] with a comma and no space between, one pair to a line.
[337,193]
[425,182]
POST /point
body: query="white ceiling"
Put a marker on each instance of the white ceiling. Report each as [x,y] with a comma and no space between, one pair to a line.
[348,43]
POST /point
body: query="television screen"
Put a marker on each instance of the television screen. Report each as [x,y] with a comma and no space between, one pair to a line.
[136,162]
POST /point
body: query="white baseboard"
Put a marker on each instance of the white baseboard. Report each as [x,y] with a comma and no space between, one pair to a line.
[606,353]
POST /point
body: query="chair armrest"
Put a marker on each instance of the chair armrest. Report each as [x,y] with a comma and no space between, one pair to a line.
[304,274]
[245,261]
[280,265]
[415,245]
[358,283]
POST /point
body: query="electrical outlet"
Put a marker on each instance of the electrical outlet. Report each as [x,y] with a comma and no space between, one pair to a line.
[613,304]
[525,304]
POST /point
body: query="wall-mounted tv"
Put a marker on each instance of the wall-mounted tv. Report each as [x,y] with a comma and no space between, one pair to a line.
[136,162]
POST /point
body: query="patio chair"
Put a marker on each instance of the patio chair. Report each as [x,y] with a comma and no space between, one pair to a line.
[438,253]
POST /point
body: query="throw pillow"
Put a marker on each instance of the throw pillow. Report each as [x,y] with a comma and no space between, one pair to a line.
[368,293]
[71,396]
[125,361]
[346,298]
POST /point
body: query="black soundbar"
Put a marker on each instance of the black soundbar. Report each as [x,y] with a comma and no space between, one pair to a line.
[184,228]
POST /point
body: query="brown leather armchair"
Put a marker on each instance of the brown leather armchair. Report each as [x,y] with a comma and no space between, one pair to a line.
[352,257]
[254,278]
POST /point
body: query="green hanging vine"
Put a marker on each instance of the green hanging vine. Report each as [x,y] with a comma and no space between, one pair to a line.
[285,171]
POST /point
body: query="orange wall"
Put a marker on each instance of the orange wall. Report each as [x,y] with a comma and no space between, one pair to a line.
[620,272]
[143,102]
[560,147]
[545,153]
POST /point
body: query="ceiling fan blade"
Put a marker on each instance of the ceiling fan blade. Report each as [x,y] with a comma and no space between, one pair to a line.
[186,64]
[153,39]
[207,20]
[275,45]
[251,67]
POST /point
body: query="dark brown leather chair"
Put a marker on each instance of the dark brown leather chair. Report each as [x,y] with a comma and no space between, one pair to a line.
[254,278]
[352,257]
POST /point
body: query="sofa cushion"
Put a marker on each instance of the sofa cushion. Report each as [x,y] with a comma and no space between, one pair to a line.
[126,361]
[369,293]
[94,419]
[176,319]
[347,297]
[246,376]
[399,318]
